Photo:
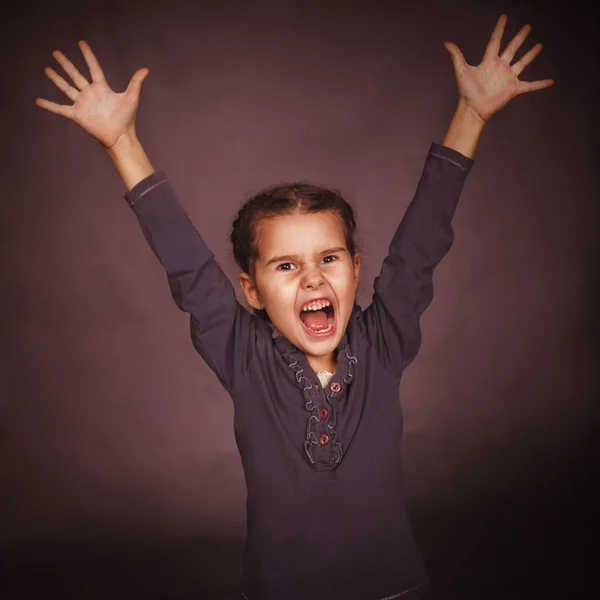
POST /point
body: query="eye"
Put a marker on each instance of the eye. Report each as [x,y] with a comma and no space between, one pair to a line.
[282,265]
[332,256]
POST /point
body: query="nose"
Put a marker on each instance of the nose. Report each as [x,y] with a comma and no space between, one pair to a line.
[313,280]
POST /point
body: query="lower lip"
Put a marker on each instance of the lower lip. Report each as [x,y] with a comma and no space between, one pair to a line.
[320,335]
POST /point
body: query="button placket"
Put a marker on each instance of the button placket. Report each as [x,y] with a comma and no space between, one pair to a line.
[321,446]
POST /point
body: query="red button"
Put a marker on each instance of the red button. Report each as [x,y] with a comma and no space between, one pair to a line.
[335,387]
[324,439]
[323,414]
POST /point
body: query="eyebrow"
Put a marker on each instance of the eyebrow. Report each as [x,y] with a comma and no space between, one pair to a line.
[296,257]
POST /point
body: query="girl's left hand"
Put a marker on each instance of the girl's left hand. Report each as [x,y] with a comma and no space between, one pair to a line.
[490,85]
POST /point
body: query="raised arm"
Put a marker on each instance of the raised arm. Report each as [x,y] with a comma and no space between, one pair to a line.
[404,288]
[221,329]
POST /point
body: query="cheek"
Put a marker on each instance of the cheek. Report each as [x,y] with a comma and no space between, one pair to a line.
[346,282]
[281,296]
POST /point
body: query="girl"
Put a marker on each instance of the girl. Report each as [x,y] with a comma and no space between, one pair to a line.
[314,382]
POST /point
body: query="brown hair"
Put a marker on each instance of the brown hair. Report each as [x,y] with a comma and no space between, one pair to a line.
[280,200]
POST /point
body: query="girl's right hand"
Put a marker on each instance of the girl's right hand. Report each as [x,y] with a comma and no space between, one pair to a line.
[103,113]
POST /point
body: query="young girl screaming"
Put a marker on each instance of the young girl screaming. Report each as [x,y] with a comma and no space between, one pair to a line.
[314,379]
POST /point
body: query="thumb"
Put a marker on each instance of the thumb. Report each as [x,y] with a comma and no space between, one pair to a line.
[458,60]
[135,84]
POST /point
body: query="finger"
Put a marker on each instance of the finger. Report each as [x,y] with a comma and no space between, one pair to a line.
[61,84]
[493,47]
[531,86]
[92,62]
[135,84]
[526,59]
[515,44]
[458,59]
[71,70]
[60,109]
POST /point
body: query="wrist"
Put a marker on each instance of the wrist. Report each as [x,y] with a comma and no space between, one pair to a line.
[464,130]
[130,159]
[125,143]
[466,114]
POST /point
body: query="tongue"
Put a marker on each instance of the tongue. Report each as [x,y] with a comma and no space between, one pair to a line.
[315,319]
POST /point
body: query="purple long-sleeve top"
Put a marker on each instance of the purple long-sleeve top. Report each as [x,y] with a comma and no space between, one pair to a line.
[326,514]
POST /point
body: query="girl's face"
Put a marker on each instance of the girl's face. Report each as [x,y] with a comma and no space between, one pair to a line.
[303,257]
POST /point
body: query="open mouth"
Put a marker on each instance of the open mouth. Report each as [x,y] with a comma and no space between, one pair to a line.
[319,323]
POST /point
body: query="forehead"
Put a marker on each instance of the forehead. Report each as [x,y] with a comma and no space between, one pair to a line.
[300,234]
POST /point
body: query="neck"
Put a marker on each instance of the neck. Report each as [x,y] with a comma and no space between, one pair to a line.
[318,363]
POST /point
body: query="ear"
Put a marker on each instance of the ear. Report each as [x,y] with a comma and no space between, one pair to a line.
[251,291]
[356,261]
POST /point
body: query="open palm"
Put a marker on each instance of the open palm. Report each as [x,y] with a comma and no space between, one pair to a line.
[490,85]
[100,111]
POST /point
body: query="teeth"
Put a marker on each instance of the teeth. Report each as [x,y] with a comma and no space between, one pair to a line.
[316,306]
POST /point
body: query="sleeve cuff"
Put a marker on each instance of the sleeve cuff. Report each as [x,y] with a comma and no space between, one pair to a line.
[452,156]
[136,193]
